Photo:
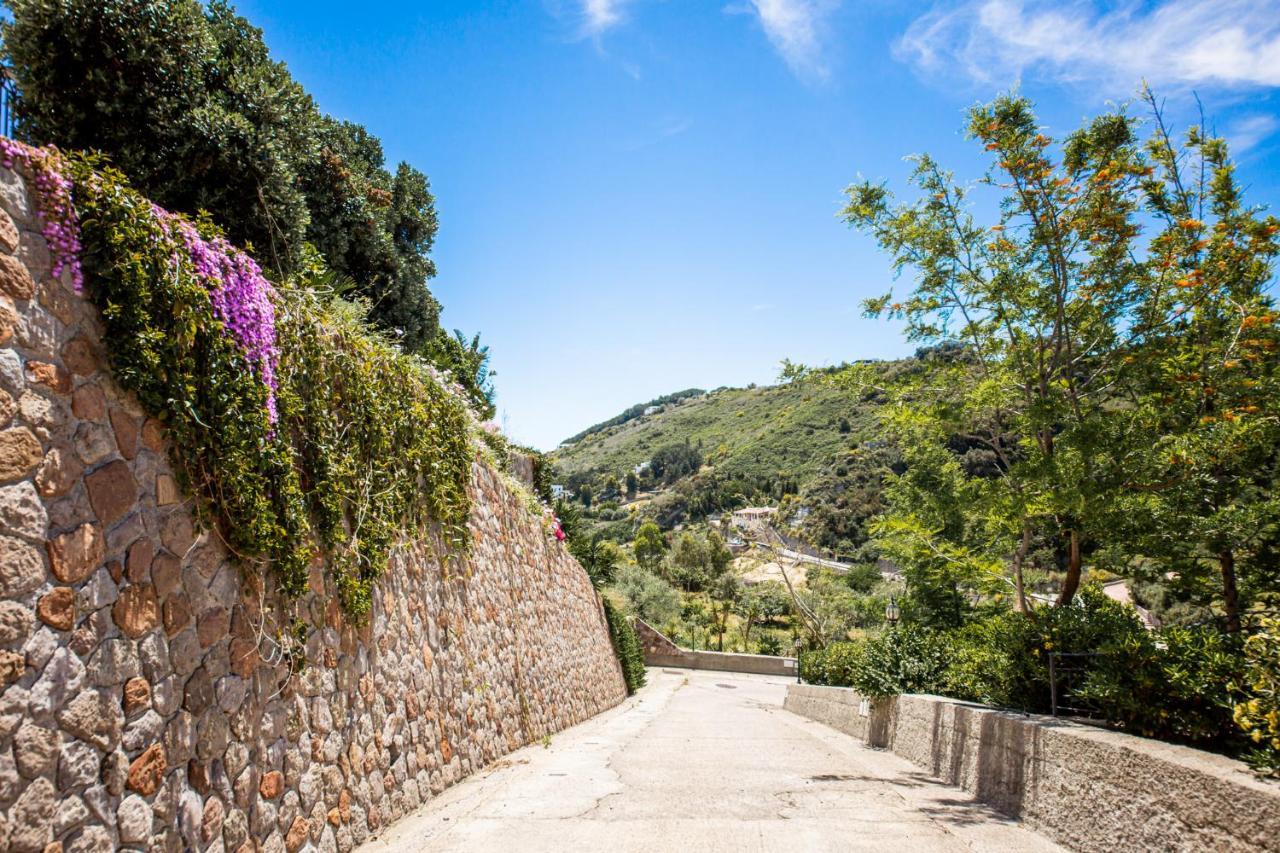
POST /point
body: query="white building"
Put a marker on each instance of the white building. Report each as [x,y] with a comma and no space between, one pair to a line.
[753,514]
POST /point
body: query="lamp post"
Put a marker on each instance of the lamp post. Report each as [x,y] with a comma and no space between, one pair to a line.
[796,649]
[891,613]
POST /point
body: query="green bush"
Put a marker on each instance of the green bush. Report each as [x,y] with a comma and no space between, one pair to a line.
[1169,685]
[649,596]
[1003,660]
[769,644]
[833,666]
[906,659]
[1258,712]
[626,645]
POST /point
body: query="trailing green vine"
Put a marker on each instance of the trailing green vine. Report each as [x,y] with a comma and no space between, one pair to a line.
[307,435]
[626,645]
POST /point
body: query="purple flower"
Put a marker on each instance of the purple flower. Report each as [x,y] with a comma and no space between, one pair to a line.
[242,298]
[57,213]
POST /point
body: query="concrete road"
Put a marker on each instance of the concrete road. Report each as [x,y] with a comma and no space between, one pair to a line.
[704,761]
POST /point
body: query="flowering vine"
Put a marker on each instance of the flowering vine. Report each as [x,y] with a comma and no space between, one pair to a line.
[306,436]
[57,213]
[241,295]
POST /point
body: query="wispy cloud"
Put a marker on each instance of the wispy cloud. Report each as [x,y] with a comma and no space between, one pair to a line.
[601,15]
[1170,43]
[665,128]
[797,30]
[1248,132]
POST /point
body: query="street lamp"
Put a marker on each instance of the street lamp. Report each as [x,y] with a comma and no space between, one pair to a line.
[891,613]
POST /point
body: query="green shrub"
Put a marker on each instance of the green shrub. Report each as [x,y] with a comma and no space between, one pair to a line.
[1003,660]
[626,645]
[1169,685]
[833,666]
[906,659]
[769,644]
[649,596]
[1258,712]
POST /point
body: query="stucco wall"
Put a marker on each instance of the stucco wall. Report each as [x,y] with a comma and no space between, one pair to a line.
[144,701]
[1088,788]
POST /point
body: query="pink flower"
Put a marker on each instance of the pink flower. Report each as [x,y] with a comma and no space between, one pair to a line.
[57,213]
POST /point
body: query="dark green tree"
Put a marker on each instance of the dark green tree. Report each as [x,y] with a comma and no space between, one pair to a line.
[188,103]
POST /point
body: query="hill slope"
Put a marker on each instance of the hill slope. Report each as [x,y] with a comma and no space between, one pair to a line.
[808,443]
[749,432]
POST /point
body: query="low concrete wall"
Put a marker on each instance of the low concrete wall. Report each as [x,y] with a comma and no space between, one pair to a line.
[660,651]
[1087,788]
[841,708]
[726,662]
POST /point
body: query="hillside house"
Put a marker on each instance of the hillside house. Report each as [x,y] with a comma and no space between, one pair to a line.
[747,516]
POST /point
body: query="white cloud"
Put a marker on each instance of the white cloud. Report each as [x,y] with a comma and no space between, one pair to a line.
[601,15]
[1246,133]
[1171,43]
[796,29]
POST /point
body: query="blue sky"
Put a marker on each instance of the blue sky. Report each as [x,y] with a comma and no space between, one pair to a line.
[639,196]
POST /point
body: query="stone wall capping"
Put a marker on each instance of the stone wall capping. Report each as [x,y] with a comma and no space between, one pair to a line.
[146,699]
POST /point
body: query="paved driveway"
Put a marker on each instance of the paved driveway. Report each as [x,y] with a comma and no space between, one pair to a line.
[704,761]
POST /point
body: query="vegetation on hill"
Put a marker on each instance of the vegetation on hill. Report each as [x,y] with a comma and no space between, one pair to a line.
[185,99]
[806,442]
[636,411]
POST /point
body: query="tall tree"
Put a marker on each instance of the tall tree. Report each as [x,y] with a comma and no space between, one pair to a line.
[1202,493]
[1072,325]
[649,547]
[1039,301]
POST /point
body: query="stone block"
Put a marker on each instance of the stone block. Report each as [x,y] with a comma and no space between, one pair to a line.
[59,471]
[112,491]
[57,608]
[15,279]
[20,453]
[74,555]
[21,567]
[127,431]
[137,610]
[147,771]
[48,375]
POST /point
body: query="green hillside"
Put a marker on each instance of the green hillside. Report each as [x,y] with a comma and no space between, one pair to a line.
[807,443]
[751,432]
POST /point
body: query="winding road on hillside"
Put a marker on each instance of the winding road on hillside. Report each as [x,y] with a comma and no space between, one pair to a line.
[705,761]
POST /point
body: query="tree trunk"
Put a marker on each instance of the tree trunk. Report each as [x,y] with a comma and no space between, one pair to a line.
[1020,558]
[1072,581]
[1230,595]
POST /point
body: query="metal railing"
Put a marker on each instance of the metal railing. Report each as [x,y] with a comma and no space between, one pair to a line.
[1065,668]
[8,95]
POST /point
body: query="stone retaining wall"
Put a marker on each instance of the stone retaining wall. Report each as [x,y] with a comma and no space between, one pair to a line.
[1088,788]
[145,702]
